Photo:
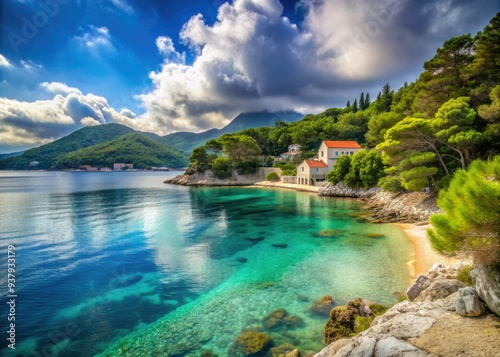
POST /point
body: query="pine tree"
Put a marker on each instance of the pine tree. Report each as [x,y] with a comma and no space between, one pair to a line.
[348,104]
[471,212]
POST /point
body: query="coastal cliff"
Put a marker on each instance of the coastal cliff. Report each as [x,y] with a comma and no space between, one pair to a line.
[431,323]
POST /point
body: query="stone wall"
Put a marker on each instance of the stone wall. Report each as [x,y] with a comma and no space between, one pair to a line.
[207,178]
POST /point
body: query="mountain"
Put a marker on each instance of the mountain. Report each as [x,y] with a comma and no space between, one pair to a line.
[82,138]
[133,148]
[187,141]
[10,154]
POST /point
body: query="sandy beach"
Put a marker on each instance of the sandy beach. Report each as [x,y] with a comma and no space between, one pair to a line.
[424,255]
[289,186]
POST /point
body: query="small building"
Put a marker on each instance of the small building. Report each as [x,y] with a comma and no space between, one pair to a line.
[120,166]
[88,168]
[330,151]
[293,152]
[311,172]
[34,163]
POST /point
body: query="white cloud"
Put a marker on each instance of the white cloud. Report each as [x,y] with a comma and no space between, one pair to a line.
[166,47]
[25,124]
[123,5]
[30,65]
[88,121]
[95,38]
[4,62]
[59,88]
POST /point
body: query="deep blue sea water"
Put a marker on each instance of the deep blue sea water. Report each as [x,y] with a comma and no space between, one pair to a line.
[124,263]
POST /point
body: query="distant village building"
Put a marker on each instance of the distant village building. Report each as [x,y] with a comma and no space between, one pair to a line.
[120,166]
[313,172]
[310,172]
[34,163]
[89,168]
[330,151]
[293,152]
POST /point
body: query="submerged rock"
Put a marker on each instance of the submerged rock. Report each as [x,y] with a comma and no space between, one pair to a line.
[274,318]
[280,318]
[250,343]
[280,245]
[342,321]
[329,233]
[322,306]
[242,260]
[375,235]
[282,350]
[467,303]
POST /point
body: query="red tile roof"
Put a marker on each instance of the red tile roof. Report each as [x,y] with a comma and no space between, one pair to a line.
[315,163]
[342,144]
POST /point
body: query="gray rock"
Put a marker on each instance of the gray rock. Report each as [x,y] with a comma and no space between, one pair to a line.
[435,269]
[421,283]
[392,347]
[487,283]
[467,303]
[439,289]
[404,326]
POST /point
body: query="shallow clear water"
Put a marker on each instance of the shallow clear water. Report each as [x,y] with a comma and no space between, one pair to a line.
[122,258]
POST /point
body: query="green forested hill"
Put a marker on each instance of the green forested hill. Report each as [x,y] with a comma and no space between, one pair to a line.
[133,148]
[187,141]
[47,154]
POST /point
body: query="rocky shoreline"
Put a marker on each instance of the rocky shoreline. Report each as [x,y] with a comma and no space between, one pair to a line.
[408,207]
[442,317]
[208,179]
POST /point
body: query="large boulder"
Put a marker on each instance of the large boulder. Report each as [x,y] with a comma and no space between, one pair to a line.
[342,320]
[467,303]
[487,284]
[421,283]
[439,289]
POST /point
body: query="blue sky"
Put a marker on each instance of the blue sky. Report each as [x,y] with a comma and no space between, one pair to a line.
[166,66]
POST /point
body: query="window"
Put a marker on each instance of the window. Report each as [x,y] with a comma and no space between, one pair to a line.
[317,170]
[342,153]
[336,153]
[302,168]
[352,152]
[322,154]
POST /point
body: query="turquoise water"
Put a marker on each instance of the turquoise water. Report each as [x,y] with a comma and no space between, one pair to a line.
[124,263]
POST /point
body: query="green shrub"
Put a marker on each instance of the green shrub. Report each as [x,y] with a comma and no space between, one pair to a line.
[221,167]
[248,166]
[362,323]
[378,309]
[470,206]
[292,172]
[273,176]
[391,184]
[464,275]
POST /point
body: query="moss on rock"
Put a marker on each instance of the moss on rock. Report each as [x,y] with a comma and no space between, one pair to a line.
[251,343]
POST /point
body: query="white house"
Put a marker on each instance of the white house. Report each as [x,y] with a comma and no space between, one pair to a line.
[294,151]
[330,151]
[311,172]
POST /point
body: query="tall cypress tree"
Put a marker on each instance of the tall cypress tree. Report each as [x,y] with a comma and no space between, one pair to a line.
[355,106]
[348,104]
[367,100]
[362,101]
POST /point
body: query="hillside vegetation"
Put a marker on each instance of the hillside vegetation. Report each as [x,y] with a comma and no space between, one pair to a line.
[133,148]
[425,131]
[47,154]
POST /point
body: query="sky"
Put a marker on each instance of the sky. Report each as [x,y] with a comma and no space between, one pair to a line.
[169,66]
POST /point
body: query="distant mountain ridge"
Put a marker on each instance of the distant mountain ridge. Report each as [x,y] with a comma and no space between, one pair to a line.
[136,148]
[187,141]
[170,150]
